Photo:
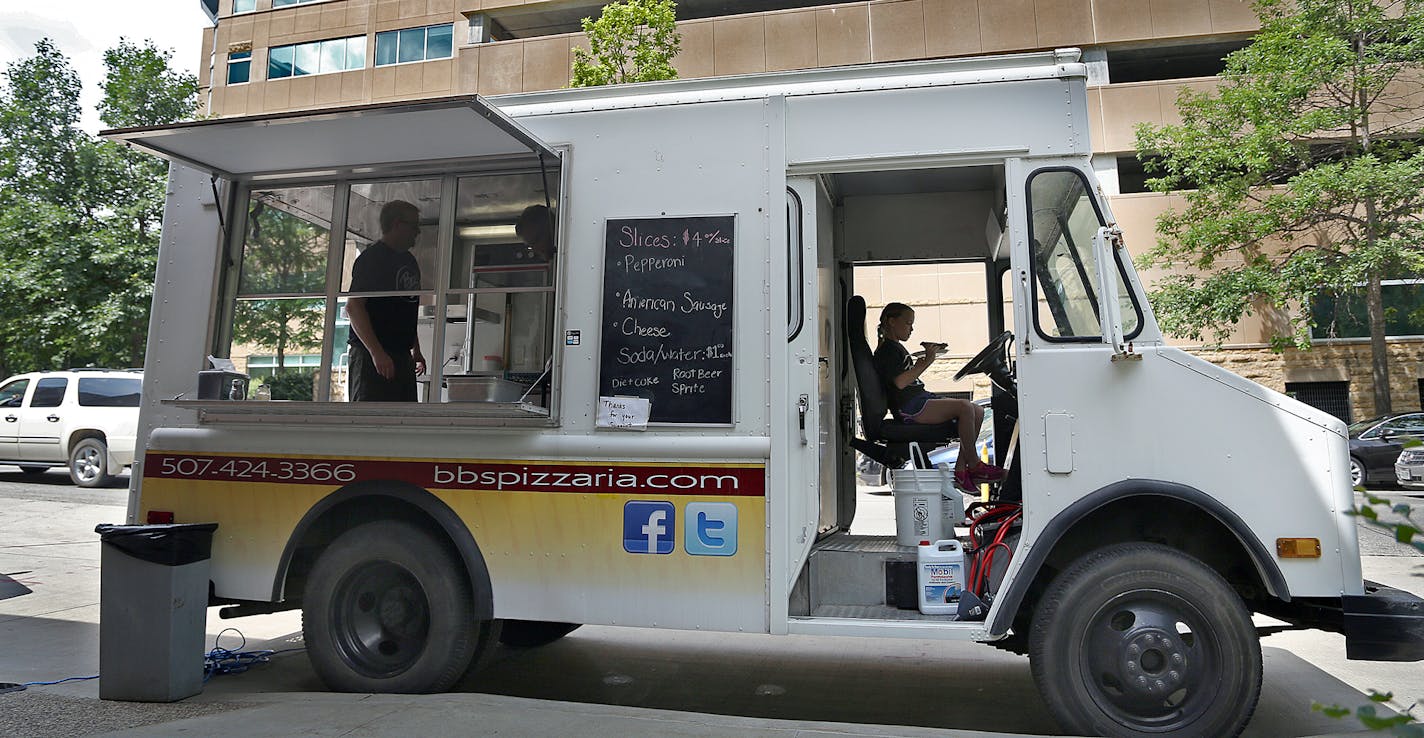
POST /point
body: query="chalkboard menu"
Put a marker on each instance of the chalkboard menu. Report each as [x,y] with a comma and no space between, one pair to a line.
[667,316]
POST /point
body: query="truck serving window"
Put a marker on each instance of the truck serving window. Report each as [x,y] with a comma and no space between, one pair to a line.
[1062,222]
[483,303]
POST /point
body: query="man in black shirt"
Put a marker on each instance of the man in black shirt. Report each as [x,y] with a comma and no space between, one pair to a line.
[385,351]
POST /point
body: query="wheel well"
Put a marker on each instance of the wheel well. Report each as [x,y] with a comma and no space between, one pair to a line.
[79,435]
[344,516]
[1150,518]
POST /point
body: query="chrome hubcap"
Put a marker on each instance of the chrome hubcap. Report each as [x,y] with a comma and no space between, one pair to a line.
[86,464]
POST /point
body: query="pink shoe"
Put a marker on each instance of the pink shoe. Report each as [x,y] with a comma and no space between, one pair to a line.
[964,480]
[987,473]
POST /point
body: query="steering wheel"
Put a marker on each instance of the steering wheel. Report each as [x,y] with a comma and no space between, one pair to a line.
[993,361]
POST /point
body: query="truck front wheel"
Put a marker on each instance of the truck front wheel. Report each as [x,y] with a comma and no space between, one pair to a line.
[1141,639]
[387,608]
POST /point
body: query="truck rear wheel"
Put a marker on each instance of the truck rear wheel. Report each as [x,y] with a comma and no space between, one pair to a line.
[388,608]
[533,633]
[1141,639]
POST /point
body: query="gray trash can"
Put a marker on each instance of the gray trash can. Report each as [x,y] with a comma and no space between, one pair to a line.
[153,605]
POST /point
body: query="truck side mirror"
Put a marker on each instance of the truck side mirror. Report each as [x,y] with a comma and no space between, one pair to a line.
[1106,243]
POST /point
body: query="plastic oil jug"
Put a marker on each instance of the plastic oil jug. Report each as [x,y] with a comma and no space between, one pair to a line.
[941,576]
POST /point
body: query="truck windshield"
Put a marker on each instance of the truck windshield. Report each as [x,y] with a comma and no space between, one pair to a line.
[1062,223]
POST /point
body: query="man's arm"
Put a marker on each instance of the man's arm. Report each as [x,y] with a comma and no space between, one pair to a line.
[361,323]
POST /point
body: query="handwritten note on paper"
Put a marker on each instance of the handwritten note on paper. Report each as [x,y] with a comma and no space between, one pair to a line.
[628,413]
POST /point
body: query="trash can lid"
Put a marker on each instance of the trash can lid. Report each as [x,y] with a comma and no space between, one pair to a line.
[169,544]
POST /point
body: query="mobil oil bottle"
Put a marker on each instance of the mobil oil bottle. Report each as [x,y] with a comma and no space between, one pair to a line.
[941,576]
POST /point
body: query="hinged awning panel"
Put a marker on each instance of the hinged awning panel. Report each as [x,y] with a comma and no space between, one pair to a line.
[286,144]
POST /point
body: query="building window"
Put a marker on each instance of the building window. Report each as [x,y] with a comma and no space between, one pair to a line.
[243,6]
[1344,315]
[1159,62]
[267,365]
[316,57]
[239,66]
[280,3]
[1332,397]
[414,45]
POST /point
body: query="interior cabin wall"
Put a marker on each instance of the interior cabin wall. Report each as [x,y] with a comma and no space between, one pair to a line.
[919,226]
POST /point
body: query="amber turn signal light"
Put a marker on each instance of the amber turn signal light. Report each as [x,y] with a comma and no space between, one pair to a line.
[1298,548]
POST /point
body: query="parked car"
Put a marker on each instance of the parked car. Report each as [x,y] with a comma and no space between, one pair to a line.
[1409,468]
[872,473]
[1375,445]
[84,419]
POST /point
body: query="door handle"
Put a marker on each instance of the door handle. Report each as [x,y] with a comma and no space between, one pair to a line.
[10,418]
[53,418]
[802,405]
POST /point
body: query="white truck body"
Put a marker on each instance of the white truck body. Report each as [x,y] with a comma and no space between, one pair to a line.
[1119,437]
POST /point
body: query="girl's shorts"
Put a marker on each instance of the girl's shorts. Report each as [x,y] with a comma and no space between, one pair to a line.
[914,407]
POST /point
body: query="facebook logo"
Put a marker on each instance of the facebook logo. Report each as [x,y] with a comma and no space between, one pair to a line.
[648,527]
[711,528]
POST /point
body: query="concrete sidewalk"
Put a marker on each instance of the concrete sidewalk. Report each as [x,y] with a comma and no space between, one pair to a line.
[619,682]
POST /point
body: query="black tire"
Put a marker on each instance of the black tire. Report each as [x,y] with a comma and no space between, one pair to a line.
[533,633]
[388,608]
[1109,630]
[89,463]
[1358,476]
[33,470]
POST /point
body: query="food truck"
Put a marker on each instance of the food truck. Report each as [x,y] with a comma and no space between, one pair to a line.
[655,425]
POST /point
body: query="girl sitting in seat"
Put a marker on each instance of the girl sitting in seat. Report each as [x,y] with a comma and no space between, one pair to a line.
[910,402]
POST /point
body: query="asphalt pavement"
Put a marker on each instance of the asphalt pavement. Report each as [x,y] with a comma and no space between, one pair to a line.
[597,681]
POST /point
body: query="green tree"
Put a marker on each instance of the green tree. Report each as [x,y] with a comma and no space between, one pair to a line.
[79,218]
[284,254]
[140,89]
[42,256]
[632,41]
[1303,174]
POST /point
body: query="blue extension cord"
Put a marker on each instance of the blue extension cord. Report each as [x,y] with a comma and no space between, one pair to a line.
[226,661]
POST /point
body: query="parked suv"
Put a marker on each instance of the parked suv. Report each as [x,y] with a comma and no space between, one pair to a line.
[85,419]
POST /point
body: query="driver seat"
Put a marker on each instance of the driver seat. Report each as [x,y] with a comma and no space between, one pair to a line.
[887,440]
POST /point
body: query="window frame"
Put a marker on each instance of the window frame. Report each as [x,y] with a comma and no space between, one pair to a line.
[449,173]
[399,35]
[317,50]
[1035,274]
[236,59]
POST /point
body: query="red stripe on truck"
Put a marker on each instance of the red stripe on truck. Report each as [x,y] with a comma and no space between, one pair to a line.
[504,476]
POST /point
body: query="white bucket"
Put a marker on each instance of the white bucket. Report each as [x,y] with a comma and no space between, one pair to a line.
[927,507]
[941,577]
[951,503]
